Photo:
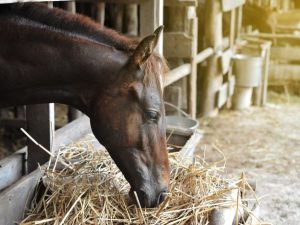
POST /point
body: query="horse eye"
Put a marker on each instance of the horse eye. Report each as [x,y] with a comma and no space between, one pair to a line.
[152,115]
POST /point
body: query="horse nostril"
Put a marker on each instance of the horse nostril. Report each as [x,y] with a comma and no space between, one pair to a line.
[162,196]
[142,197]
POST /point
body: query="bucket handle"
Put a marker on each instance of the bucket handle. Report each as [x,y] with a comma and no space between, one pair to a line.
[178,109]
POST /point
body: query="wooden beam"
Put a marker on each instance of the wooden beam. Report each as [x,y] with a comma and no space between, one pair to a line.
[151,16]
[285,53]
[11,169]
[284,73]
[212,79]
[203,55]
[91,1]
[40,125]
[180,3]
[177,73]
[14,200]
[228,5]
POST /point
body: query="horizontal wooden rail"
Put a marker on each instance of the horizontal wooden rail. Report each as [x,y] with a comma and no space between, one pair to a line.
[273,36]
[12,168]
[107,1]
[203,55]
[177,73]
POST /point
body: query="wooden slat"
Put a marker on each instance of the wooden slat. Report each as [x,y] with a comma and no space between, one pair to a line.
[71,132]
[40,125]
[177,73]
[228,5]
[203,55]
[177,45]
[187,153]
[107,1]
[180,3]
[284,73]
[15,199]
[151,12]
[222,95]
[225,61]
[11,169]
[285,53]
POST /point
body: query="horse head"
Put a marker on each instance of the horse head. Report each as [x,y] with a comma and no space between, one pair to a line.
[128,118]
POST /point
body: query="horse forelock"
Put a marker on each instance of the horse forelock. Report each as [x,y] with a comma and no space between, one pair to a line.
[156,68]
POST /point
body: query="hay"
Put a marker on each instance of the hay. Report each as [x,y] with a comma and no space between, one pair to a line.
[90,189]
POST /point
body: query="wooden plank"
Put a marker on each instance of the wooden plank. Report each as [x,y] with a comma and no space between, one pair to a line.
[285,53]
[177,45]
[40,125]
[228,5]
[284,73]
[151,17]
[15,199]
[203,55]
[11,169]
[107,1]
[180,3]
[274,36]
[71,132]
[187,153]
[222,95]
[177,73]
[192,79]
[226,60]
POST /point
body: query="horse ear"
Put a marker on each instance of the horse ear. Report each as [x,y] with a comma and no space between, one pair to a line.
[146,47]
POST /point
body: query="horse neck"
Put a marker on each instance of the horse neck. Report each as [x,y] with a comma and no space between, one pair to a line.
[40,66]
[75,23]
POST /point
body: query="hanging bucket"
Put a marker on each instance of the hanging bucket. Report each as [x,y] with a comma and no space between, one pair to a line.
[248,70]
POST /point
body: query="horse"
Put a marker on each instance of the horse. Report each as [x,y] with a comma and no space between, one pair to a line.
[49,55]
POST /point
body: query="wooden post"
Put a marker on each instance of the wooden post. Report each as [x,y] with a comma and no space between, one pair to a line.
[213,77]
[131,14]
[192,79]
[40,125]
[70,6]
[151,16]
[100,14]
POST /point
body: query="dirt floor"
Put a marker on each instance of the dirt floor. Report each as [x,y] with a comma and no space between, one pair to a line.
[265,144]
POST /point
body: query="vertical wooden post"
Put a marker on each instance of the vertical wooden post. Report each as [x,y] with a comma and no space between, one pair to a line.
[151,16]
[213,77]
[40,125]
[131,11]
[100,14]
[192,79]
[70,6]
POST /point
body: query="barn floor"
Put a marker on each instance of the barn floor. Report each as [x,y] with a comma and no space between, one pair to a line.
[265,144]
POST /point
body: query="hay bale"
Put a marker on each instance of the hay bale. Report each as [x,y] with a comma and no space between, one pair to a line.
[90,189]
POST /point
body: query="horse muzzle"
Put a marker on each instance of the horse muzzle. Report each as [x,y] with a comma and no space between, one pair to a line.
[149,198]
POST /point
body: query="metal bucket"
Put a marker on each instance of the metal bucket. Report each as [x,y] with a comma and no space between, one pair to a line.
[179,129]
[248,70]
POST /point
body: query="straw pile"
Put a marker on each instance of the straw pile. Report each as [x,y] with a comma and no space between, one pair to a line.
[91,190]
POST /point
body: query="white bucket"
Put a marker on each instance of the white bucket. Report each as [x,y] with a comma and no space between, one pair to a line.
[248,70]
[242,97]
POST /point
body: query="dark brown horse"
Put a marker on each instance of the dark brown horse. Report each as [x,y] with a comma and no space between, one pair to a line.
[53,56]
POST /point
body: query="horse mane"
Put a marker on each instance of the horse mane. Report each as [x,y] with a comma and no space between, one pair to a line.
[83,26]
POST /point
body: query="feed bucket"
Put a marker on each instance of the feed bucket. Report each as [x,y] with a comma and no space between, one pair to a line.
[248,70]
[180,129]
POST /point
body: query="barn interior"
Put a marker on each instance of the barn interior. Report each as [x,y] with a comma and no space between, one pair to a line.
[233,84]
